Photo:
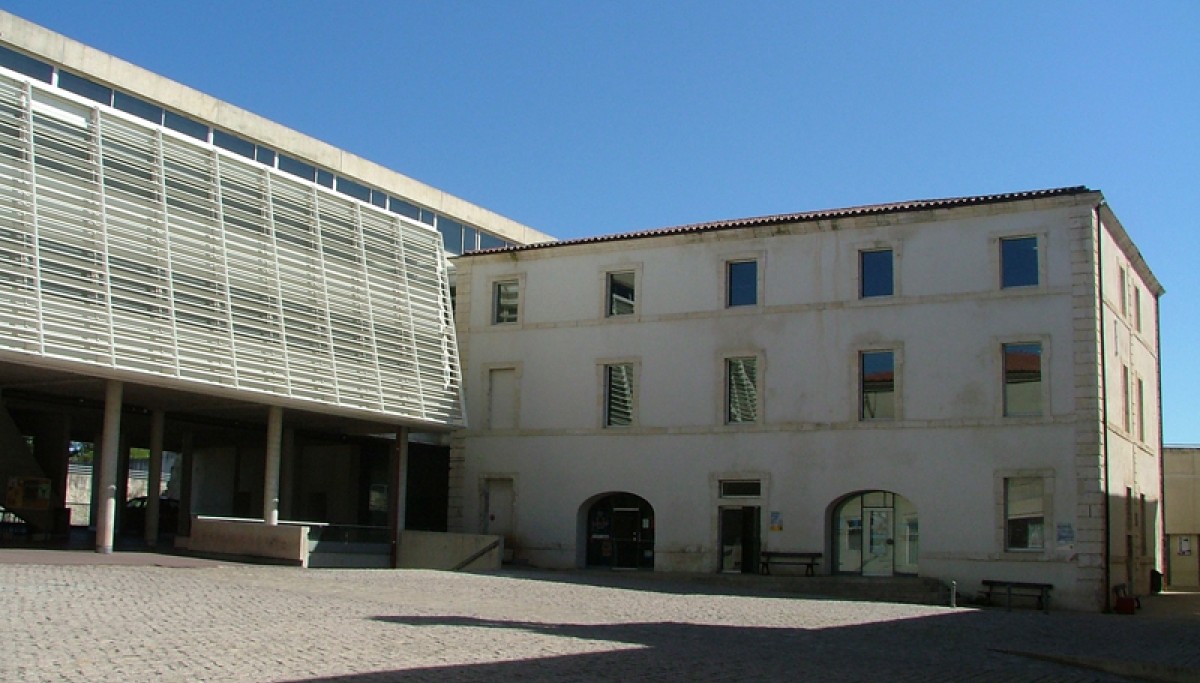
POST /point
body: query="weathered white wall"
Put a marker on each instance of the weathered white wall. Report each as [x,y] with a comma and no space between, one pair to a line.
[947,452]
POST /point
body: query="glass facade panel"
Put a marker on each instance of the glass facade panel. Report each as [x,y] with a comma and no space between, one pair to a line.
[506,299]
[139,108]
[875,273]
[487,241]
[470,239]
[233,143]
[618,395]
[350,188]
[622,299]
[1024,513]
[182,124]
[264,155]
[85,88]
[1023,379]
[324,178]
[1018,262]
[741,390]
[451,234]
[741,283]
[877,372]
[297,168]
[24,64]
[403,208]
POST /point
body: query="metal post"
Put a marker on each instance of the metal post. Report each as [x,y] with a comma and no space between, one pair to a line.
[271,471]
[154,485]
[107,509]
[954,594]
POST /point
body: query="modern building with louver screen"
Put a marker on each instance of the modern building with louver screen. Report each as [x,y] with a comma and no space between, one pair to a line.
[223,286]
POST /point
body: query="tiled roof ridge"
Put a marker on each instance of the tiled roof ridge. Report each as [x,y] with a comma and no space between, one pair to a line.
[863,210]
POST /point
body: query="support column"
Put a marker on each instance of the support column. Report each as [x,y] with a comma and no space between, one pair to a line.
[271,471]
[107,484]
[154,483]
[287,474]
[186,457]
[397,482]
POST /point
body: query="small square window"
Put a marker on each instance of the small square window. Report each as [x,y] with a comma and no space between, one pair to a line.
[505,302]
[877,385]
[741,390]
[1018,262]
[621,294]
[875,273]
[741,286]
[618,395]
[1024,513]
[1023,379]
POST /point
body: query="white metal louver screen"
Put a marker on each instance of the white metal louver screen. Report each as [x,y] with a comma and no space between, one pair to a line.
[125,246]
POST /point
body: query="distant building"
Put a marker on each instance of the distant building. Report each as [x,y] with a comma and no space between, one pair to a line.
[960,388]
[1181,474]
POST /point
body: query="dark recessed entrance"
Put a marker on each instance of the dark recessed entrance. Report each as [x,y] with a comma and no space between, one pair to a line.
[620,532]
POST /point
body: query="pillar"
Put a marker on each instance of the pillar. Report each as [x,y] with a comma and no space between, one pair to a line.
[107,483]
[271,471]
[154,484]
[397,481]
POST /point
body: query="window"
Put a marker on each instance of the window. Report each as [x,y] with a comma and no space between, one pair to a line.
[1141,412]
[877,385]
[1018,262]
[741,390]
[618,395]
[1122,289]
[1024,513]
[1137,308]
[1023,379]
[741,488]
[875,273]
[1125,397]
[505,302]
[741,283]
[620,293]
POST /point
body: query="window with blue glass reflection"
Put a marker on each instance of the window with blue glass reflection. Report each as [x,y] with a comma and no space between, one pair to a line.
[741,283]
[452,238]
[182,124]
[26,65]
[82,86]
[877,385]
[1018,262]
[233,143]
[139,108]
[875,273]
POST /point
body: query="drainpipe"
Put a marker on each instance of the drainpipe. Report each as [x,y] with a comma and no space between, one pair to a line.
[1162,453]
[1107,552]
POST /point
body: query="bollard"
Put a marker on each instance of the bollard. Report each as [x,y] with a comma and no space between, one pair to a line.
[954,594]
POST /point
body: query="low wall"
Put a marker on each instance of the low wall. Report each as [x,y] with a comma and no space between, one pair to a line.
[440,550]
[285,543]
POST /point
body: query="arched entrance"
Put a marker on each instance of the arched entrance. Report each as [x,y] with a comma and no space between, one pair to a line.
[875,533]
[620,532]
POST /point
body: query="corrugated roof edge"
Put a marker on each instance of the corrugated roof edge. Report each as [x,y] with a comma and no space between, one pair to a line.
[866,210]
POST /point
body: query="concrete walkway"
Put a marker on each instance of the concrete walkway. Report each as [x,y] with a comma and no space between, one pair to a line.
[78,616]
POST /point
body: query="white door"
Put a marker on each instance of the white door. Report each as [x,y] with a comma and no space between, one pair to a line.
[498,511]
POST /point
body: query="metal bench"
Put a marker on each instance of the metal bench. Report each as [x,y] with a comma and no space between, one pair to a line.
[809,560]
[1040,591]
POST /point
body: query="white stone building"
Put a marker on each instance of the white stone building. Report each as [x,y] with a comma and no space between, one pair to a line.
[961,388]
[1181,495]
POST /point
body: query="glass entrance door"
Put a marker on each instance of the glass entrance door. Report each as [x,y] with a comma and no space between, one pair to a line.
[625,537]
[879,550]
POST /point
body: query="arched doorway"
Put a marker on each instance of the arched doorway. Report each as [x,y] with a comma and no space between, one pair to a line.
[620,532]
[875,533]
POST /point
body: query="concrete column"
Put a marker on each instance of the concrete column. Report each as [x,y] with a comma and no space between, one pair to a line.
[186,456]
[397,481]
[287,474]
[271,471]
[153,486]
[107,480]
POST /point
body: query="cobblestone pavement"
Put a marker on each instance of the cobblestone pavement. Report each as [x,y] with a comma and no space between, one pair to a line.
[214,622]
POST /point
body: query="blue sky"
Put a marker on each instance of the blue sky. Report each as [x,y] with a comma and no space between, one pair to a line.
[590,118]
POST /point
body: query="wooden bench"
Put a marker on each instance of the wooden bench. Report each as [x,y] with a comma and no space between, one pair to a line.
[809,560]
[1026,589]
